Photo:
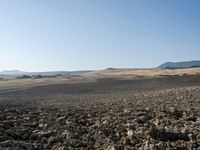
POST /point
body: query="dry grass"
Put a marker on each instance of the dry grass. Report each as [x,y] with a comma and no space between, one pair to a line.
[14,84]
[132,73]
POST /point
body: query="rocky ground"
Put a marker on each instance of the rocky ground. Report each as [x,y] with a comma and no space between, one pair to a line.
[145,114]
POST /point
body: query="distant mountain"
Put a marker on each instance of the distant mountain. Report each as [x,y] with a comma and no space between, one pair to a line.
[176,65]
[12,72]
[16,73]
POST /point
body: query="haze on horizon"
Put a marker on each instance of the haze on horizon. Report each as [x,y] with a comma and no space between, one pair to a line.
[80,35]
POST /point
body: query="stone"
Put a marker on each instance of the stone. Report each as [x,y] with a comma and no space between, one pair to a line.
[163,135]
[144,119]
[52,140]
[19,144]
[130,134]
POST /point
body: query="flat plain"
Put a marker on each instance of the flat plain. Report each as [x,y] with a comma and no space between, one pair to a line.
[101,111]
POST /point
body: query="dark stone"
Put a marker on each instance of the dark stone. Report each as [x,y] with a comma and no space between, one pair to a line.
[144,119]
[163,135]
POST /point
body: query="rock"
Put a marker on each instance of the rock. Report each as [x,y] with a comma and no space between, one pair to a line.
[160,146]
[130,134]
[89,140]
[61,120]
[53,140]
[4,127]
[144,119]
[38,135]
[175,112]
[19,133]
[19,144]
[9,122]
[63,148]
[59,146]
[105,122]
[107,130]
[110,147]
[163,135]
[10,118]
[68,134]
[134,141]
[32,124]
[192,118]
[3,138]
[42,125]
[130,126]
[83,122]
[129,147]
[47,134]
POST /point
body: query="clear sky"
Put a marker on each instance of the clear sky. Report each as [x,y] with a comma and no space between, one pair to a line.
[45,35]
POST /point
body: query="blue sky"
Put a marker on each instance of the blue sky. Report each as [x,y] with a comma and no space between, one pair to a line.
[45,35]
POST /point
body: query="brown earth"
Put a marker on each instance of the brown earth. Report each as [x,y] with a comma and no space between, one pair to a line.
[108,114]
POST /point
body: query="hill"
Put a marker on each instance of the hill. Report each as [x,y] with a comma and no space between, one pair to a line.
[176,65]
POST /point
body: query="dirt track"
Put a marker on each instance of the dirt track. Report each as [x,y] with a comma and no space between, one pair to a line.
[110,114]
